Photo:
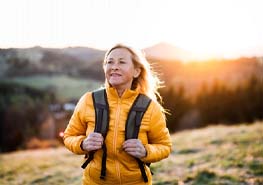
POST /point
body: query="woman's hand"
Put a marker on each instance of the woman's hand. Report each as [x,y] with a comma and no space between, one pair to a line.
[135,148]
[94,141]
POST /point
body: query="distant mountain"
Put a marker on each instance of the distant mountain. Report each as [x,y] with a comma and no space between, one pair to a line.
[78,62]
[168,52]
[84,53]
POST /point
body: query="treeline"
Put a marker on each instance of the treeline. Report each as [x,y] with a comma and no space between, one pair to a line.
[214,104]
[22,109]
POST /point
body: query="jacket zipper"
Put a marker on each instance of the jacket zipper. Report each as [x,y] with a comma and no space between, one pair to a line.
[116,137]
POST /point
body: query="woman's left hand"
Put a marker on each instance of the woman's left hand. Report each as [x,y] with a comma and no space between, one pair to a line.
[134,147]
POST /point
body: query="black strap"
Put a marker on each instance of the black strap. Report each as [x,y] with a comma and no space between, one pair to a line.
[101,105]
[103,162]
[90,157]
[141,166]
[133,124]
[135,116]
[101,126]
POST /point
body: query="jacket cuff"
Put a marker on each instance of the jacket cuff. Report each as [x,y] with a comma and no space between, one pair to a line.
[147,157]
[80,148]
[81,145]
[73,144]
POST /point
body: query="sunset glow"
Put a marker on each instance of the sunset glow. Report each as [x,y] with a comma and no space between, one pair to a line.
[225,28]
[61,134]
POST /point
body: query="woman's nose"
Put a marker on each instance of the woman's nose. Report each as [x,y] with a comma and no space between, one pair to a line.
[115,66]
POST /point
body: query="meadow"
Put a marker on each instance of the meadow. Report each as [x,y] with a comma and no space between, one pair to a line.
[215,155]
[64,87]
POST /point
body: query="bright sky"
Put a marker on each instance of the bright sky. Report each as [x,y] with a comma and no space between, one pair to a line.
[206,27]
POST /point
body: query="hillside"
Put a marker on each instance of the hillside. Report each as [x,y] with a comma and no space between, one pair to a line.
[165,51]
[65,88]
[213,155]
[82,63]
[193,75]
[76,62]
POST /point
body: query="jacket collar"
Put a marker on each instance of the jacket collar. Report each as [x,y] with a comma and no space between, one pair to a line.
[128,93]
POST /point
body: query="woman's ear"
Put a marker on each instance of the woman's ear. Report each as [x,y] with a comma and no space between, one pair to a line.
[137,72]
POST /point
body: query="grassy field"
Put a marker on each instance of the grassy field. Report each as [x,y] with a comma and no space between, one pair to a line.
[65,87]
[216,155]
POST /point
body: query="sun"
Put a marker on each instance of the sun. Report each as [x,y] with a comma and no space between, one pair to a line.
[206,28]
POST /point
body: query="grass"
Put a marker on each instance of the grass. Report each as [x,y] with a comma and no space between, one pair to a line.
[216,155]
[48,166]
[65,87]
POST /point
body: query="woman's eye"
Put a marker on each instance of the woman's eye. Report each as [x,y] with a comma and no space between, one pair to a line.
[122,62]
[109,62]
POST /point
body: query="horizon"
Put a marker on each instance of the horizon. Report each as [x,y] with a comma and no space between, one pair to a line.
[193,56]
[224,28]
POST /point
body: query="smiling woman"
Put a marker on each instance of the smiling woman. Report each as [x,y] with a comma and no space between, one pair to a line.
[122,127]
[120,70]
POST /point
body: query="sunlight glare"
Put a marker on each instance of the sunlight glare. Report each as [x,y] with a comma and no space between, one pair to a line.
[206,28]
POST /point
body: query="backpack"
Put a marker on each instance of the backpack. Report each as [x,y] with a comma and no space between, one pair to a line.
[132,127]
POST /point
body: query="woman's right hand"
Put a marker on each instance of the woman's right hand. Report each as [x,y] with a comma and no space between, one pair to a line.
[94,141]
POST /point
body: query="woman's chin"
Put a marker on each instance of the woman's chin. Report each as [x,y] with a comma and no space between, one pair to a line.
[114,83]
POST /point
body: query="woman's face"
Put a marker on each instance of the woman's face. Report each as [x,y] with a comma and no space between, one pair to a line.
[119,69]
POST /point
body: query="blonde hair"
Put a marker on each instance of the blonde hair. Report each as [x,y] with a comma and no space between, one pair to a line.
[148,81]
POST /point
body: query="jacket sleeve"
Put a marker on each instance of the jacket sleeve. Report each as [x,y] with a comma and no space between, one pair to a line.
[75,132]
[159,140]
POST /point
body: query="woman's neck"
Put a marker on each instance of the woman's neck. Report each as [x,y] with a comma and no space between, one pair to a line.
[121,89]
[120,92]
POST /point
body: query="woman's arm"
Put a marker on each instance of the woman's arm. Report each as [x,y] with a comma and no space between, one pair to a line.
[159,139]
[75,132]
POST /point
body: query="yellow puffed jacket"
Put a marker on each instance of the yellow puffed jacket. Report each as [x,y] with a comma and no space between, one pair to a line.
[121,167]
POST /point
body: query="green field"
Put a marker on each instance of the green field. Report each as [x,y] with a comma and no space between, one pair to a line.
[216,155]
[65,87]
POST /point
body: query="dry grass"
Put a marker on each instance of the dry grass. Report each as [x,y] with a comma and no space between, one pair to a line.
[214,155]
[43,166]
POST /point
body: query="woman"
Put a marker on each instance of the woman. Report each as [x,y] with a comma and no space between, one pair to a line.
[127,75]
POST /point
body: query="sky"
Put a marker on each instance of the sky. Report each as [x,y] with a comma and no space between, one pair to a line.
[206,27]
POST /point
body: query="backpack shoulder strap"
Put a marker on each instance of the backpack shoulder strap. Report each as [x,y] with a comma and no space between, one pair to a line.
[133,124]
[101,107]
[135,116]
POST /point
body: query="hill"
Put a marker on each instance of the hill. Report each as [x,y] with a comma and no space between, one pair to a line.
[165,51]
[76,62]
[82,63]
[194,75]
[213,155]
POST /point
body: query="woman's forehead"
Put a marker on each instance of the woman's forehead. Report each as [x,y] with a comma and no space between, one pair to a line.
[119,53]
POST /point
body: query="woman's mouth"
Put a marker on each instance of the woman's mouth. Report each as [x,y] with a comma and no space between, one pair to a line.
[115,74]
